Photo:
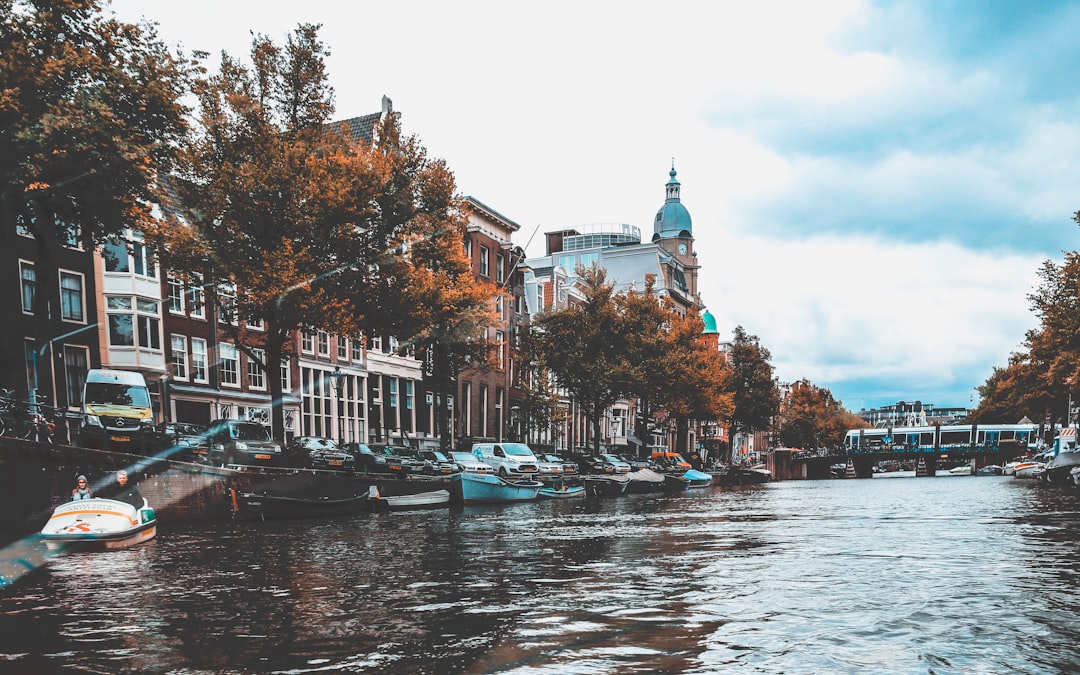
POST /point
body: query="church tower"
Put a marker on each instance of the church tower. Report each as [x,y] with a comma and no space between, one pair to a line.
[673,231]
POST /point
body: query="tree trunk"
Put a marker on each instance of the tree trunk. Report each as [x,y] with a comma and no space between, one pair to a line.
[275,341]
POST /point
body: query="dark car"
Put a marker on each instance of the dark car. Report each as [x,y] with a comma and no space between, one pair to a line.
[383,459]
[242,442]
[317,452]
[635,463]
[185,442]
[438,462]
[600,465]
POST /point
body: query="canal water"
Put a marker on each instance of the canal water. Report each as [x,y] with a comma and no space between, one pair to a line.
[887,575]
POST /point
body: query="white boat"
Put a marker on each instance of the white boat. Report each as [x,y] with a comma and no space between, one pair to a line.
[433,499]
[962,470]
[99,523]
[1028,469]
[562,492]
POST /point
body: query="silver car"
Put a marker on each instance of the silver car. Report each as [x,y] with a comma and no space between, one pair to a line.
[470,464]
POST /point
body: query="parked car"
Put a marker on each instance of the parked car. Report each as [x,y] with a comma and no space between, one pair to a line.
[549,469]
[635,463]
[382,459]
[667,460]
[439,463]
[470,464]
[619,465]
[187,442]
[317,452]
[508,459]
[569,468]
[242,442]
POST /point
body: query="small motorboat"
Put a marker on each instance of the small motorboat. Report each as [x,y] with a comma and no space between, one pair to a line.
[300,496]
[962,470]
[605,486]
[433,499]
[99,524]
[675,483]
[697,479]
[990,470]
[480,488]
[562,492]
[645,480]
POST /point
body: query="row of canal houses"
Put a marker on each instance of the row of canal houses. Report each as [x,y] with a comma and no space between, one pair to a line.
[115,307]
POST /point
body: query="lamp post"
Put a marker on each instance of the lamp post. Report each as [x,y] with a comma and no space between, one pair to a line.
[338,378]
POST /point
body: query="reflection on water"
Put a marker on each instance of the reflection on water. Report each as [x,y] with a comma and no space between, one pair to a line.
[971,574]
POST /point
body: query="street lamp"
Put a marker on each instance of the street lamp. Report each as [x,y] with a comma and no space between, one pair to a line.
[338,378]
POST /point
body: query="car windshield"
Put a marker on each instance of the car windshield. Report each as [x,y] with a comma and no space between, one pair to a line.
[439,457]
[611,458]
[321,443]
[517,449]
[463,457]
[552,458]
[249,432]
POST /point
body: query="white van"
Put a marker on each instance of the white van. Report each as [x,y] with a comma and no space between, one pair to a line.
[117,414]
[508,459]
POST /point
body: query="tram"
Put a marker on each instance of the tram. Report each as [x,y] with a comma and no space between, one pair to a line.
[942,438]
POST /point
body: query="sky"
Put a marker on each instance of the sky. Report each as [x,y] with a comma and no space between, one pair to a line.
[873,185]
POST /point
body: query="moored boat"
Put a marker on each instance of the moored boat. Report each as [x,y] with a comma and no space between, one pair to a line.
[99,524]
[675,483]
[476,488]
[645,480]
[743,475]
[561,492]
[421,500]
[605,486]
[962,470]
[300,496]
[697,479]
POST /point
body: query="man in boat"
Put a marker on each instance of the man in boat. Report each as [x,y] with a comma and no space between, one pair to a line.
[125,491]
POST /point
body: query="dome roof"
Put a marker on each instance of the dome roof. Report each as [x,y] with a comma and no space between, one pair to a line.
[710,322]
[672,220]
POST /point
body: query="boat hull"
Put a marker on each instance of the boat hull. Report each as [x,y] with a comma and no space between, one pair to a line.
[605,486]
[645,481]
[1059,469]
[697,479]
[561,493]
[300,496]
[434,499]
[98,524]
[490,489]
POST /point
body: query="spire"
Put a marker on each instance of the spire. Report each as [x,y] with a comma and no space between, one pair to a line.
[672,220]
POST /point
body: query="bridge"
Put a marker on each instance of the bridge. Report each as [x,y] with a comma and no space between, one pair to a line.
[859,462]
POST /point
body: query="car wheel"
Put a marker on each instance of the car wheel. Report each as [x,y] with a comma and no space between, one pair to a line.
[502,471]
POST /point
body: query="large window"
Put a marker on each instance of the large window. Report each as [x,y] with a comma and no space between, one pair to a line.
[485,264]
[126,314]
[71,297]
[393,392]
[256,374]
[179,357]
[176,295]
[195,297]
[324,343]
[230,364]
[28,281]
[198,360]
[499,263]
[75,369]
[499,340]
[129,255]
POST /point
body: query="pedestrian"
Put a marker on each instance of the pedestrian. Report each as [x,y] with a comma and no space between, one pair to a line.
[82,490]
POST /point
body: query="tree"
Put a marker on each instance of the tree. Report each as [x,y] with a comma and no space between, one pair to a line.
[313,229]
[583,347]
[1012,393]
[811,418]
[753,387]
[89,111]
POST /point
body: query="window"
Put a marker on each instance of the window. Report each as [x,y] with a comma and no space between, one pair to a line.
[229,359]
[357,350]
[307,342]
[409,394]
[499,346]
[342,348]
[176,295]
[376,344]
[468,249]
[500,303]
[28,279]
[115,254]
[196,301]
[198,360]
[393,392]
[75,368]
[256,374]
[285,380]
[121,321]
[142,258]
[179,357]
[71,297]
[484,264]
[149,323]
[499,263]
[539,297]
[226,303]
[324,343]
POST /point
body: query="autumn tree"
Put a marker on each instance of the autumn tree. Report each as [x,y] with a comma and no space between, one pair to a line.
[312,228]
[583,347]
[753,387]
[810,417]
[644,318]
[89,111]
[540,409]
